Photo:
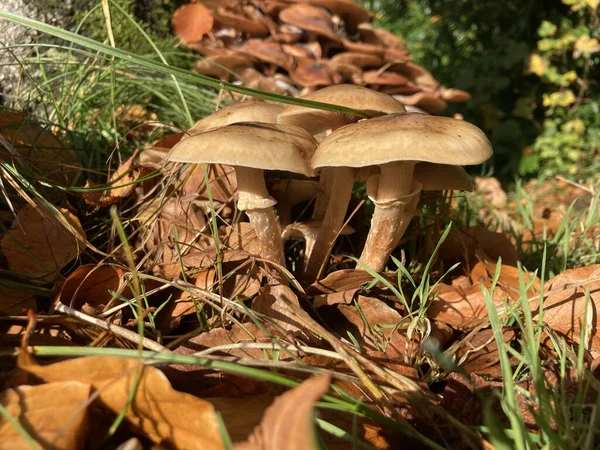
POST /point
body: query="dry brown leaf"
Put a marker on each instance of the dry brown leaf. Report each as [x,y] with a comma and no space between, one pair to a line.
[54,415]
[89,285]
[221,384]
[14,302]
[280,303]
[191,22]
[508,281]
[462,307]
[475,243]
[41,246]
[240,236]
[564,310]
[288,422]
[373,328]
[156,410]
[36,148]
[222,182]
[481,352]
[121,186]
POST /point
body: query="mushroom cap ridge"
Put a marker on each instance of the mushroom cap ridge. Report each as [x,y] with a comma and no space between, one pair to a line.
[404,137]
[250,144]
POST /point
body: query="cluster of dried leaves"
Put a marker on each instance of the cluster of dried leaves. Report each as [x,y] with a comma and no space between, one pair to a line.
[203,289]
[295,47]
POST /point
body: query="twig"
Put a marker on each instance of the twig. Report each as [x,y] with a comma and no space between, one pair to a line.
[119,331]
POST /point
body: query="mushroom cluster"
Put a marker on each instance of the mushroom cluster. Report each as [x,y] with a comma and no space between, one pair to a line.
[296,47]
[398,154]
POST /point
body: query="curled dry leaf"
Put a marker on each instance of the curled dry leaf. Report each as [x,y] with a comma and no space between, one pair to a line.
[53,414]
[156,409]
[508,281]
[288,422]
[565,306]
[39,245]
[88,287]
[191,22]
[240,236]
[122,184]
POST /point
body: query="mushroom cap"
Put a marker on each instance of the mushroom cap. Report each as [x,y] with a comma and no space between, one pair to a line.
[250,144]
[311,19]
[428,101]
[403,137]
[360,60]
[266,51]
[351,13]
[311,73]
[253,27]
[365,100]
[238,112]
[380,36]
[222,66]
[441,177]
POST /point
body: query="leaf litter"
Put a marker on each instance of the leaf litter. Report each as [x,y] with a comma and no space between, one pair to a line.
[206,291]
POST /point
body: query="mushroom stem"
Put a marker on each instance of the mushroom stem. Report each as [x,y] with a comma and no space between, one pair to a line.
[333,222]
[393,194]
[255,200]
[324,193]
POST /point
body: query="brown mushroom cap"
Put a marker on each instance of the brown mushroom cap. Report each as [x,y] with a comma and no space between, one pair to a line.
[370,102]
[379,36]
[428,101]
[360,60]
[235,113]
[361,47]
[252,27]
[311,73]
[404,137]
[250,144]
[311,19]
[350,12]
[384,78]
[222,66]
[269,52]
[415,73]
[441,177]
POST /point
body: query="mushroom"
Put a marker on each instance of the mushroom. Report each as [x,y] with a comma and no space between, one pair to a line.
[251,148]
[395,143]
[307,231]
[362,99]
[428,177]
[367,101]
[312,20]
[237,112]
[291,192]
[222,66]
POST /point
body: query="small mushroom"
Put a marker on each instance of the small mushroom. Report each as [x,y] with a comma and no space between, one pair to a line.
[395,143]
[251,148]
[307,231]
[222,66]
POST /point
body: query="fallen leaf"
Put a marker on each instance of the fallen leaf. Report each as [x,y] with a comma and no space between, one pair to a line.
[156,409]
[508,280]
[481,351]
[463,308]
[216,384]
[221,182]
[191,22]
[279,303]
[240,236]
[14,302]
[121,186]
[477,243]
[54,415]
[288,423]
[36,148]
[89,285]
[39,245]
[564,310]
